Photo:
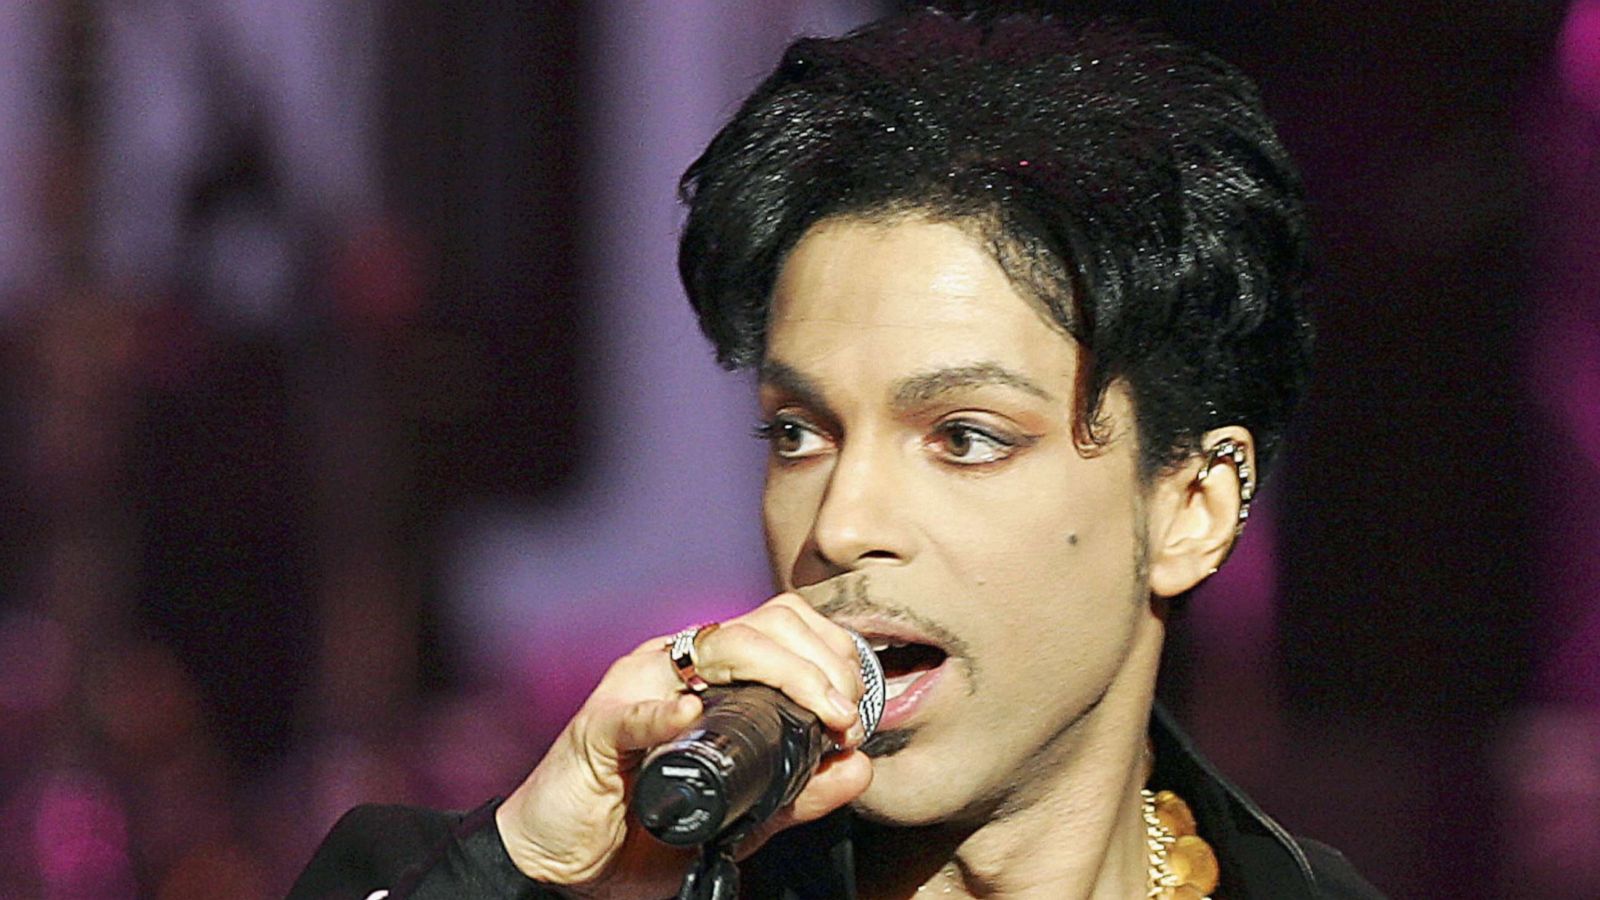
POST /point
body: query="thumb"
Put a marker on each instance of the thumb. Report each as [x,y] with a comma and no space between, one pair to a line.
[640,726]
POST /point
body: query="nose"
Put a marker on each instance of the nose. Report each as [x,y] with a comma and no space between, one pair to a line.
[863,517]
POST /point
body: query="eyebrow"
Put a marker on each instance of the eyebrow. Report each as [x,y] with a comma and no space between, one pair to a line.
[788,379]
[925,386]
[911,390]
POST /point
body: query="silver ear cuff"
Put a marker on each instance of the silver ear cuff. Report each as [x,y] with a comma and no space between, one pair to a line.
[1230,449]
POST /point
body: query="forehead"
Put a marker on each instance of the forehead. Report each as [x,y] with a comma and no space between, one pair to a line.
[858,297]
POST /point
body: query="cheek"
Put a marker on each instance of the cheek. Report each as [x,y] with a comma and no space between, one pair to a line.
[788,511]
[1055,520]
[1065,541]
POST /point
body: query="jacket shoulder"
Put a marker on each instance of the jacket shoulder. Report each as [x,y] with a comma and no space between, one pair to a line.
[1336,878]
[371,845]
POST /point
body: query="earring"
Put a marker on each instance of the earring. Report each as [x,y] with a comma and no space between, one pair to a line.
[1225,449]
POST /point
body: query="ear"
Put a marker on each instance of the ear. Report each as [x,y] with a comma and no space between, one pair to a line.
[1194,511]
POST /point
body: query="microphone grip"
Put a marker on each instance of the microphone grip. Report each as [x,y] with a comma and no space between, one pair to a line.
[752,751]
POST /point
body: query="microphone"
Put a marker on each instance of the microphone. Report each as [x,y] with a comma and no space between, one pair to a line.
[748,755]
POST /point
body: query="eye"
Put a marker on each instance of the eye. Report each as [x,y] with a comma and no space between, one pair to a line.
[791,437]
[966,444]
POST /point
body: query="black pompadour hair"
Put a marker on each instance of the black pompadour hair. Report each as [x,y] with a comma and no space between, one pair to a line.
[1129,183]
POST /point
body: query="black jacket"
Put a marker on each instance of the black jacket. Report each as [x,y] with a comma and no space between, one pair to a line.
[430,855]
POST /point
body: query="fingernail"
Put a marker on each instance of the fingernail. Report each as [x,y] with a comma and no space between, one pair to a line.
[841,705]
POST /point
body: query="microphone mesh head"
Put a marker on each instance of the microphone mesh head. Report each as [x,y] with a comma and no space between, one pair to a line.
[872,676]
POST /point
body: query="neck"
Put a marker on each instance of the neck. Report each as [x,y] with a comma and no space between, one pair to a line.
[1072,828]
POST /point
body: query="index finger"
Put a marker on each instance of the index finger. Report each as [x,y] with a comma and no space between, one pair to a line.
[838,638]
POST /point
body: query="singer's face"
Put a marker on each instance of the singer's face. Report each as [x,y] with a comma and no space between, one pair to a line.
[925,487]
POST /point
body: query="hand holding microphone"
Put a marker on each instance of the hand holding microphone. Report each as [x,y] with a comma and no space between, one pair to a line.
[750,754]
[568,823]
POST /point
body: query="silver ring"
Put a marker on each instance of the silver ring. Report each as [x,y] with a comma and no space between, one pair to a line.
[681,650]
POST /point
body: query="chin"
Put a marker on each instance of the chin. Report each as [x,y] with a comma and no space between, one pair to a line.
[890,811]
[907,794]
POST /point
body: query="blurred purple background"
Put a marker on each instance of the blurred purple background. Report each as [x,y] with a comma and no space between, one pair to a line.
[353,420]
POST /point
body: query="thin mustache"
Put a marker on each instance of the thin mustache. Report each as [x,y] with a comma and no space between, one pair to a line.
[852,597]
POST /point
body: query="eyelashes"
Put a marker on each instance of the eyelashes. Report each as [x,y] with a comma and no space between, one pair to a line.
[790,437]
[958,441]
[968,444]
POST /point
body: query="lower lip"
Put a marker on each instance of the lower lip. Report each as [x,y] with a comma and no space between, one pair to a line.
[902,708]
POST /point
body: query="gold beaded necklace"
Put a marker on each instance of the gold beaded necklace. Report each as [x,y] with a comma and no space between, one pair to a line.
[1182,864]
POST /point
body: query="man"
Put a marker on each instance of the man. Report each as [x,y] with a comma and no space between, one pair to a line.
[1022,299]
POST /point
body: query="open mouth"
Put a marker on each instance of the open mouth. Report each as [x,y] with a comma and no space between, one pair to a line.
[904,663]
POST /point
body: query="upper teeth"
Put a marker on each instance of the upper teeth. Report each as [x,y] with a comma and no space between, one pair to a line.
[880,645]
